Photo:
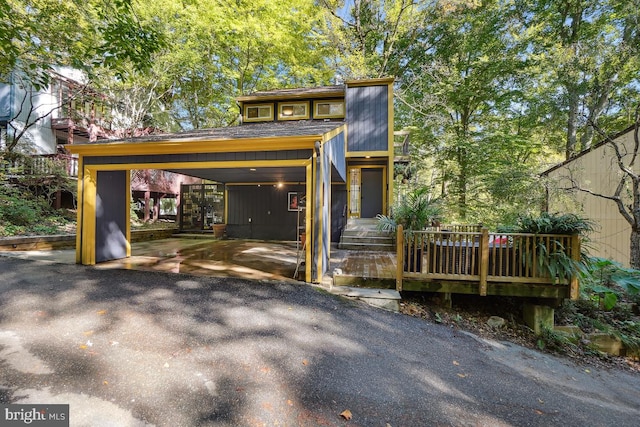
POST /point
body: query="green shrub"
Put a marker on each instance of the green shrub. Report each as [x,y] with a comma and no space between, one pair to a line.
[21,209]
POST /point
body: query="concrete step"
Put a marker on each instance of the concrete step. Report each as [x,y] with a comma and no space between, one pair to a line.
[388,299]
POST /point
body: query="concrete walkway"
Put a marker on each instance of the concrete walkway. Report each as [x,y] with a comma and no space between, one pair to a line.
[138,348]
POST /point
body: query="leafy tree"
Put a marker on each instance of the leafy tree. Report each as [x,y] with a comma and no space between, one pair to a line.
[217,51]
[465,95]
[40,34]
[589,56]
[373,36]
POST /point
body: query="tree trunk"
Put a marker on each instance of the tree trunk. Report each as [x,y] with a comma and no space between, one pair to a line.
[634,257]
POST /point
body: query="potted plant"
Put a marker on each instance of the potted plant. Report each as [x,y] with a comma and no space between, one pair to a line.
[415,211]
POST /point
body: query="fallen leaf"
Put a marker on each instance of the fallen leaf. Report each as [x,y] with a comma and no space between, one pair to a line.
[88,333]
[346,414]
[305,362]
[587,371]
[539,412]
[455,362]
[83,347]
[462,375]
[289,402]
[105,382]
[540,400]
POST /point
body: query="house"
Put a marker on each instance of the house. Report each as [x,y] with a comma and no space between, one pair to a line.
[64,112]
[596,171]
[301,163]
[67,111]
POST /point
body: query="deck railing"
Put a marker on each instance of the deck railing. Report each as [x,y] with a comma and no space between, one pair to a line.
[483,257]
[41,165]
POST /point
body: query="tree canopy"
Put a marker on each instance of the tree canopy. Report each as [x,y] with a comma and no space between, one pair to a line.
[493,90]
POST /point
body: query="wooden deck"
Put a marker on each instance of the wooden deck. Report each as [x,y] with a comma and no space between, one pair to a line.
[466,262]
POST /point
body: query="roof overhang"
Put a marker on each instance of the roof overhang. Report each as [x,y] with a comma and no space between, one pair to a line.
[251,138]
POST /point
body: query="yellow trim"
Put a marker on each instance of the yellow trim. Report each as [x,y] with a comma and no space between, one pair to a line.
[385,204]
[246,118]
[317,115]
[200,165]
[293,104]
[79,213]
[364,154]
[308,225]
[390,170]
[329,135]
[371,82]
[189,146]
[263,184]
[128,212]
[320,213]
[89,217]
[325,94]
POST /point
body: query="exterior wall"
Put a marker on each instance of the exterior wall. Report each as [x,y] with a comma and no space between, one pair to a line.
[368,118]
[598,172]
[16,103]
[201,157]
[261,212]
[111,215]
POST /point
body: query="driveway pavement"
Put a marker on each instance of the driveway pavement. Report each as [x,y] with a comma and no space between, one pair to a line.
[135,348]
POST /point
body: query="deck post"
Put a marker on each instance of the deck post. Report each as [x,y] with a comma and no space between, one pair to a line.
[574,285]
[484,260]
[400,258]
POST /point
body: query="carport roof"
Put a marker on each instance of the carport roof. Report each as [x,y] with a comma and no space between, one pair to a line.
[285,135]
[302,128]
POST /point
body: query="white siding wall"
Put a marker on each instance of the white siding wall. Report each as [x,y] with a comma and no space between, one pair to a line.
[598,172]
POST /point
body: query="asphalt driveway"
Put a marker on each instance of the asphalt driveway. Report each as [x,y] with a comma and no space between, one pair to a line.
[134,348]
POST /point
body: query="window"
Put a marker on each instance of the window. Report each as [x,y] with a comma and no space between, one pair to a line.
[293,110]
[328,109]
[258,113]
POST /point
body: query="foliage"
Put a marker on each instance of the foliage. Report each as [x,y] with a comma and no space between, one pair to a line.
[39,34]
[551,255]
[607,281]
[414,211]
[547,223]
[553,341]
[19,208]
[216,51]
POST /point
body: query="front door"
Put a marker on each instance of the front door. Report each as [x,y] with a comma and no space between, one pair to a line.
[366,191]
[371,192]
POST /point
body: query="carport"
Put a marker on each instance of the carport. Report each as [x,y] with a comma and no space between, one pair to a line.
[305,155]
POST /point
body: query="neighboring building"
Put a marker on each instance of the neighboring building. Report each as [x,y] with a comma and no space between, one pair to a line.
[65,112]
[596,170]
[69,112]
[303,161]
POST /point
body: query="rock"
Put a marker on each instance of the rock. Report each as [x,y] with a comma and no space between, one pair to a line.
[496,322]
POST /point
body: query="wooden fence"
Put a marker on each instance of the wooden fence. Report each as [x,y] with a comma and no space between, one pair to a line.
[483,258]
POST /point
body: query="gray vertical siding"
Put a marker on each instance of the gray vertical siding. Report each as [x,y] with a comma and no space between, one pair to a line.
[335,147]
[267,207]
[367,118]
[111,215]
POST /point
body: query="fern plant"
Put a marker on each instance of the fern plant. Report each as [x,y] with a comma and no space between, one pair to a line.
[552,255]
[415,211]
